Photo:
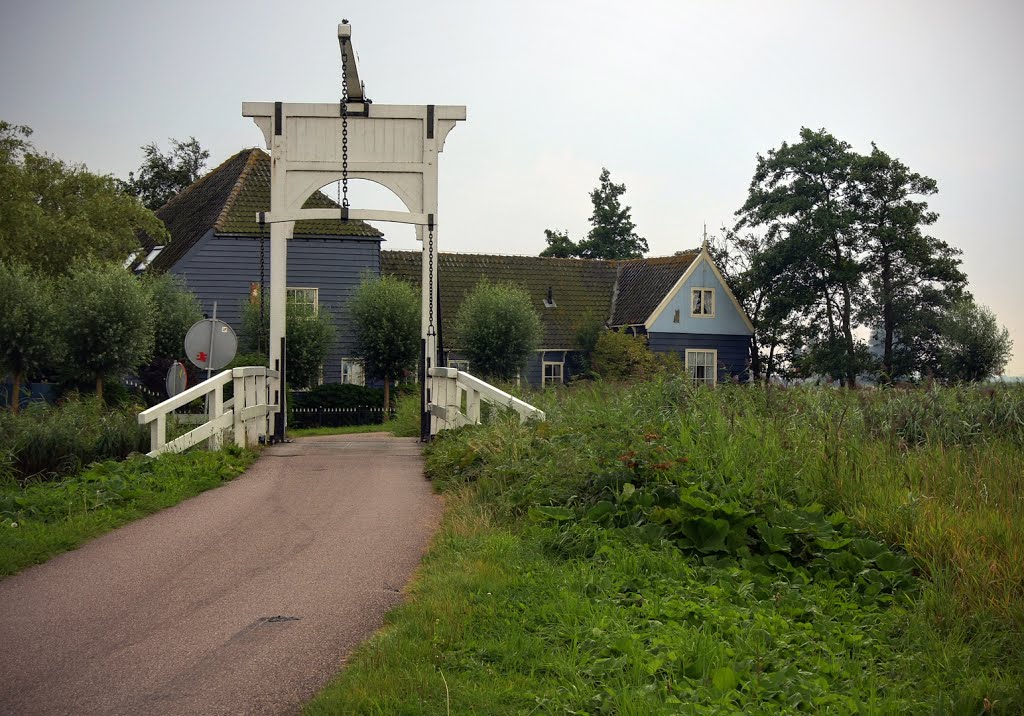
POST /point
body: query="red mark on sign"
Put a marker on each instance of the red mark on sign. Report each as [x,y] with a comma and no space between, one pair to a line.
[202,356]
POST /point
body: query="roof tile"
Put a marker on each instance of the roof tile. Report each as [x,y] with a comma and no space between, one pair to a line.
[228,199]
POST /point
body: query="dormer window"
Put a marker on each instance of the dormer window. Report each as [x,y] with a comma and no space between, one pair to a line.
[549,302]
[702,302]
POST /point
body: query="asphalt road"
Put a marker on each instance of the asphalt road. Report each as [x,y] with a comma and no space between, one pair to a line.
[243,600]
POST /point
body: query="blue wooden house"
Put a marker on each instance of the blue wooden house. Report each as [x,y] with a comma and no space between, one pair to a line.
[681,303]
[215,248]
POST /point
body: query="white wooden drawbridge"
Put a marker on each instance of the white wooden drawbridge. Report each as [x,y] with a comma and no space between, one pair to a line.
[313,145]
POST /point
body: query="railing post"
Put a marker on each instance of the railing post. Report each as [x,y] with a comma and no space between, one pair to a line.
[241,401]
[473,406]
[261,399]
[216,410]
[158,432]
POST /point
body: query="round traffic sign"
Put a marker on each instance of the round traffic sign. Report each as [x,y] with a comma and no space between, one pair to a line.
[211,344]
[177,379]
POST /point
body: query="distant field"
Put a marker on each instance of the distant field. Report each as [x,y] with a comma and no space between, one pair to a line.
[660,549]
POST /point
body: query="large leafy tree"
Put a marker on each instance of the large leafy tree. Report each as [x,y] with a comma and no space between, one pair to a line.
[757,273]
[912,278]
[802,196]
[498,328]
[161,176]
[612,234]
[107,317]
[52,214]
[386,316]
[27,339]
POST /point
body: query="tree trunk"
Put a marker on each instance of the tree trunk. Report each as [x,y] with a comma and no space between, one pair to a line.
[851,351]
[99,386]
[16,394]
[387,396]
[887,317]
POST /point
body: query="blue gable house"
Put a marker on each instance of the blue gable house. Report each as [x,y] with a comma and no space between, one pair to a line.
[215,249]
[684,305]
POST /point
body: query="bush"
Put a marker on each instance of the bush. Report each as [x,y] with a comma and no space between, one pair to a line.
[335,404]
[49,442]
[618,356]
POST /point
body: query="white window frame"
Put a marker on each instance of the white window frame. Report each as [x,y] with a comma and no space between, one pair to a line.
[705,292]
[710,376]
[544,380]
[292,293]
[459,364]
[352,372]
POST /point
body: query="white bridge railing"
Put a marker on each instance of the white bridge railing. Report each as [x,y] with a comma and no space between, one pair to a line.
[455,398]
[248,412]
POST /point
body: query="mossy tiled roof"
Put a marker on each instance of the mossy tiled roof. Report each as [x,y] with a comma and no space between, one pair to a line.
[643,283]
[577,287]
[618,293]
[227,200]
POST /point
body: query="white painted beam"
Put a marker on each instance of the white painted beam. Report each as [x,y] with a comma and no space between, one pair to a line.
[400,217]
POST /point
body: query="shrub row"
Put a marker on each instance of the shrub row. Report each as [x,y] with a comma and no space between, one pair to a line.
[51,441]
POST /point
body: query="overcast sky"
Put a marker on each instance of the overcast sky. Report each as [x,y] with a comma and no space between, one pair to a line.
[675,98]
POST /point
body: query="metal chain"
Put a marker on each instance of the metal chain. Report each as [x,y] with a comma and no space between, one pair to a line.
[343,186]
[430,284]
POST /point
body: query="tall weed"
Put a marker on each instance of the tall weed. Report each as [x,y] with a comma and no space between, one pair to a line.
[46,442]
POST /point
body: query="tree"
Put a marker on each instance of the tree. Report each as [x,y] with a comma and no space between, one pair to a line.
[560,246]
[27,339]
[176,310]
[498,329]
[310,334]
[161,176]
[107,317]
[974,346]
[756,270]
[802,195]
[913,278]
[52,214]
[612,235]
[385,313]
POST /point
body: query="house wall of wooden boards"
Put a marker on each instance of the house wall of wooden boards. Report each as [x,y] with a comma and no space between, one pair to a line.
[224,268]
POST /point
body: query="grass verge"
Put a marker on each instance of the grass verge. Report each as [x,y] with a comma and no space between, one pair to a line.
[344,430]
[659,549]
[41,519]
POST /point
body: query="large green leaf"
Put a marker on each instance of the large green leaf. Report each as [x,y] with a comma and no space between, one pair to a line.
[706,534]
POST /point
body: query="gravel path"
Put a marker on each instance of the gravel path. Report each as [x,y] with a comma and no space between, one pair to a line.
[243,600]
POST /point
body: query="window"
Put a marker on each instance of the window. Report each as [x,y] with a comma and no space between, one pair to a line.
[701,366]
[352,372]
[552,373]
[675,316]
[702,302]
[459,364]
[304,298]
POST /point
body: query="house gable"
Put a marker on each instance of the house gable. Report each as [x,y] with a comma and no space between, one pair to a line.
[727,318]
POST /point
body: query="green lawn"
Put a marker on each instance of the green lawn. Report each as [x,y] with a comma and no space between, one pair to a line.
[659,549]
[346,430]
[43,518]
